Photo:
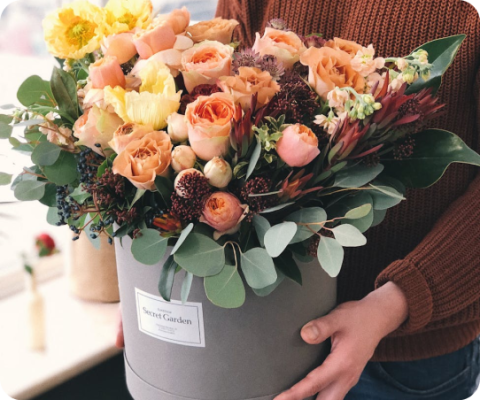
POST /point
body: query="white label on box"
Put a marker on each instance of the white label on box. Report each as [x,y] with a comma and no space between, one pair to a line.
[170,321]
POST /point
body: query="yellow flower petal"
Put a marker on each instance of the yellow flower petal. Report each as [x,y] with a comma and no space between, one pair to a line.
[116,98]
[156,78]
[74,30]
[125,15]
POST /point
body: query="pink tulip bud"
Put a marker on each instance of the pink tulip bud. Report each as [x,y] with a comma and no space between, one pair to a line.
[106,72]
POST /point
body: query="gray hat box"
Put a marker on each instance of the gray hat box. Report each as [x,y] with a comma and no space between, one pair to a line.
[251,353]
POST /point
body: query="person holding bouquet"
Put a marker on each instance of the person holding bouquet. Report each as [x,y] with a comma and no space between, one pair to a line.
[409,314]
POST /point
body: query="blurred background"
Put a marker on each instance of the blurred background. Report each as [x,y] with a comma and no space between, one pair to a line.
[79,360]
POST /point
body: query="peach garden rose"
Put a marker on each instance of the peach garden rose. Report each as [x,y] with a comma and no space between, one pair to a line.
[329,68]
[216,29]
[106,72]
[298,146]
[209,123]
[127,133]
[250,80]
[284,45]
[205,62]
[143,159]
[223,212]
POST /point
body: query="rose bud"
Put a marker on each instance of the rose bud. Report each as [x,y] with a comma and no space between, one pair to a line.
[155,39]
[224,213]
[106,72]
[120,46]
[218,172]
[179,176]
[183,157]
[177,127]
[298,146]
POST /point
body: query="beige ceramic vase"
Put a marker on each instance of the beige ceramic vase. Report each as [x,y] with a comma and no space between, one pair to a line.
[93,273]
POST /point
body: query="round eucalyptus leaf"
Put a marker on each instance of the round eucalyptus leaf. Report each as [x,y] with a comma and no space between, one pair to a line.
[278,237]
[149,247]
[46,153]
[261,226]
[30,190]
[357,175]
[330,256]
[258,268]
[349,236]
[225,289]
[182,237]
[312,215]
[63,171]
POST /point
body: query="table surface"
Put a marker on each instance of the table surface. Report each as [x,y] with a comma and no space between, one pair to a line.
[79,334]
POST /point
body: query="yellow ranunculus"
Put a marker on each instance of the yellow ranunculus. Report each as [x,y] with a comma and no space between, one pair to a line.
[154,103]
[125,15]
[74,30]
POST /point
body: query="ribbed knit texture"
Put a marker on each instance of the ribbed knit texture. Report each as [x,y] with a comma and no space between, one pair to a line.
[430,244]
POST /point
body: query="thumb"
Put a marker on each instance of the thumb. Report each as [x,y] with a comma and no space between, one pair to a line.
[319,330]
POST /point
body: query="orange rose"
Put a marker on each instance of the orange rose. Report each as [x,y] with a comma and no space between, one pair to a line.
[345,45]
[127,133]
[209,124]
[298,146]
[330,68]
[249,81]
[218,29]
[144,159]
[224,213]
[284,45]
[205,62]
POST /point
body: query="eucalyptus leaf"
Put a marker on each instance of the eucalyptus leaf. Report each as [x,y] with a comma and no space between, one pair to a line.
[269,289]
[312,215]
[261,226]
[357,175]
[258,268]
[80,195]
[34,90]
[165,189]
[225,289]
[349,236]
[385,197]
[378,217]
[441,53]
[52,216]
[434,151]
[359,212]
[5,179]
[63,171]
[254,159]
[149,247]
[30,122]
[138,195]
[29,190]
[330,256]
[50,197]
[278,237]
[200,255]
[5,130]
[186,286]
[167,277]
[46,153]
[277,208]
[182,237]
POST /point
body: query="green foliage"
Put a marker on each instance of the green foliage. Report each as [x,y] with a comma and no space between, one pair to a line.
[258,268]
[434,151]
[200,255]
[29,190]
[149,247]
[385,197]
[266,291]
[441,53]
[167,276]
[312,215]
[254,159]
[349,236]
[186,286]
[165,189]
[63,171]
[5,179]
[64,89]
[46,153]
[278,237]
[79,195]
[330,256]
[52,216]
[5,127]
[225,289]
[261,226]
[287,265]
[50,197]
[357,175]
[182,237]
[34,90]
[359,212]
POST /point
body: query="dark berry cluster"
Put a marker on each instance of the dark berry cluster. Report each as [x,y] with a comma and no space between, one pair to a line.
[88,164]
[200,90]
[63,206]
[256,204]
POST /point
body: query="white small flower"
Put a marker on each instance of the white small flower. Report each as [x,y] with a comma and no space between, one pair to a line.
[330,123]
[402,64]
[365,63]
[337,99]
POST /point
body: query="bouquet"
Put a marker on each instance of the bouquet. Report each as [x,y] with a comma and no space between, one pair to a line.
[236,161]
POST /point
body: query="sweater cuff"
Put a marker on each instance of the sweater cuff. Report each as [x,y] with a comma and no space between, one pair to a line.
[413,284]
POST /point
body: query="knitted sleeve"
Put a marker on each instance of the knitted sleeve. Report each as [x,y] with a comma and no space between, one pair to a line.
[441,276]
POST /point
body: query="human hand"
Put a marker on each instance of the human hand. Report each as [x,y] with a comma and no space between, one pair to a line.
[355,329]
[119,341]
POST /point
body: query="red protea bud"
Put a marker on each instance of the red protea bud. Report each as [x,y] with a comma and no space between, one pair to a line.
[45,245]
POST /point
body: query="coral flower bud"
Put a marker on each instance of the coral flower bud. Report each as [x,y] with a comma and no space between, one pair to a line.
[218,172]
[183,157]
[106,72]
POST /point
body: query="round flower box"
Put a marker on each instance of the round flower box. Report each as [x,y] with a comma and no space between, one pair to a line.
[196,350]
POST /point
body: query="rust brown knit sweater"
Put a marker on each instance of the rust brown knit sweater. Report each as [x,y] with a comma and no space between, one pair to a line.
[430,244]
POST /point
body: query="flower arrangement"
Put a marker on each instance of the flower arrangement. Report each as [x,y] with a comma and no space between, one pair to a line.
[242,161]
